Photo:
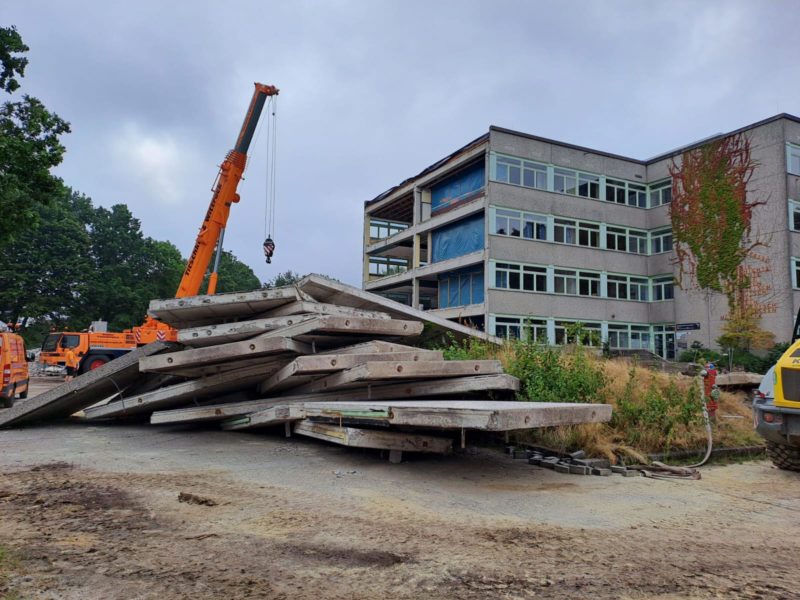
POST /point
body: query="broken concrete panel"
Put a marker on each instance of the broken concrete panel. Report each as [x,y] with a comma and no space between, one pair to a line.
[83,391]
[370,438]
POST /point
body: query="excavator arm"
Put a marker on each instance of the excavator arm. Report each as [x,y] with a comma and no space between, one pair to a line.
[213,228]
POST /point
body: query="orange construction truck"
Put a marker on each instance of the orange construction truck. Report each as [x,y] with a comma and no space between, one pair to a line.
[94,348]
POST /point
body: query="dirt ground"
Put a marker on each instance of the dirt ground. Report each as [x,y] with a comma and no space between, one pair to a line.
[90,511]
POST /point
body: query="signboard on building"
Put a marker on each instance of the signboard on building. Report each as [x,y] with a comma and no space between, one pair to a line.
[687,326]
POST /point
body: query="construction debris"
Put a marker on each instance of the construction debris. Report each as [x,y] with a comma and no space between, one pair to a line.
[321,358]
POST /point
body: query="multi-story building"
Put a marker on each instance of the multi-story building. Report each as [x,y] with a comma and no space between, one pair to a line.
[523,236]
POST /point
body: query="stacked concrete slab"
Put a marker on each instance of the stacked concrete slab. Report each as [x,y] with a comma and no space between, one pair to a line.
[322,358]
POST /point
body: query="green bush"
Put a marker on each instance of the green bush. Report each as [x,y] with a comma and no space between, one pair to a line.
[549,375]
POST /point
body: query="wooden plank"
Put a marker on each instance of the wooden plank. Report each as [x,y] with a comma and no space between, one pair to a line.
[369,438]
[193,311]
[291,375]
[181,393]
[269,416]
[222,333]
[393,370]
[457,385]
[83,391]
[459,414]
[321,308]
[234,351]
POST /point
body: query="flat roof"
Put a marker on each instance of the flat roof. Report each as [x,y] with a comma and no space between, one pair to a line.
[529,136]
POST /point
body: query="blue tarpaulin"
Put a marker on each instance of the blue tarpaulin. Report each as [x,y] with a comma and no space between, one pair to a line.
[457,239]
[460,288]
[458,188]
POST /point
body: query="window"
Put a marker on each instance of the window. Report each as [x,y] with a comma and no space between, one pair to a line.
[617,287]
[637,195]
[507,327]
[382,266]
[793,159]
[638,288]
[615,191]
[379,230]
[576,283]
[624,287]
[527,278]
[621,335]
[588,186]
[566,282]
[626,240]
[521,327]
[661,193]
[794,215]
[566,231]
[661,241]
[617,239]
[663,288]
[508,222]
[565,333]
[796,271]
[520,172]
[637,241]
[515,223]
[565,181]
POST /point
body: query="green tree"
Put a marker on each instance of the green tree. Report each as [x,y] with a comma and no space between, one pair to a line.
[43,274]
[283,279]
[233,276]
[29,145]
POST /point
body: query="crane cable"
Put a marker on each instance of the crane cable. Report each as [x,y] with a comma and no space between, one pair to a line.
[271,189]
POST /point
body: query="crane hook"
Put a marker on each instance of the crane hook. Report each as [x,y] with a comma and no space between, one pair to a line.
[269,249]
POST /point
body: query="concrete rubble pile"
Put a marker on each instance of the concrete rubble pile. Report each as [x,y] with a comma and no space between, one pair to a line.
[324,359]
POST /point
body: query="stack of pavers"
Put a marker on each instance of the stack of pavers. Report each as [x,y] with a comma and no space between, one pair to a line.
[322,358]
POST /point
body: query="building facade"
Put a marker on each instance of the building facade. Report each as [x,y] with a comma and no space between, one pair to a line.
[524,236]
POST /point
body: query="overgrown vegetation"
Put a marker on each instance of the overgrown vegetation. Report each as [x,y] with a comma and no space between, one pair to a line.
[653,411]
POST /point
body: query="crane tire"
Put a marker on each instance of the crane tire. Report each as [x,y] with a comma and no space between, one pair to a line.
[784,456]
[93,361]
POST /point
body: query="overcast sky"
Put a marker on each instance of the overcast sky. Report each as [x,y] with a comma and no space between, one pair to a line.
[372,92]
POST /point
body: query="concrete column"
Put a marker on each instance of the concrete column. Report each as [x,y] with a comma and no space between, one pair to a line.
[415,293]
[603,284]
[603,232]
[416,253]
[604,331]
[551,331]
[551,222]
[551,280]
[417,206]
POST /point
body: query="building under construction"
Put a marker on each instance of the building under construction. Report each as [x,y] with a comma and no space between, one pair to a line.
[523,236]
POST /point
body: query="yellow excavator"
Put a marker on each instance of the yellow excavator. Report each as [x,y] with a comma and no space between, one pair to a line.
[776,407]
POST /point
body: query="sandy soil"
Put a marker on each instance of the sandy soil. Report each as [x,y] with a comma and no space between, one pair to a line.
[94,512]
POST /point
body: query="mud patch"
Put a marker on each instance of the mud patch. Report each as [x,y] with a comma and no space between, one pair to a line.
[347,557]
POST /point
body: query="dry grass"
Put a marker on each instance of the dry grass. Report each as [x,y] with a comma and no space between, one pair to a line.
[733,427]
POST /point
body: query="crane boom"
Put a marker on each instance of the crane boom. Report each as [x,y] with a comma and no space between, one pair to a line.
[225,186]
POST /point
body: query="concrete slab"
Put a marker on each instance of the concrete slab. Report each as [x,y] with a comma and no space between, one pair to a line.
[83,391]
[739,379]
[223,333]
[370,438]
[182,393]
[218,411]
[330,291]
[193,311]
[461,414]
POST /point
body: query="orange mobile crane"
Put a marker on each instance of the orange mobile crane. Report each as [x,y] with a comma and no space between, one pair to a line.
[97,348]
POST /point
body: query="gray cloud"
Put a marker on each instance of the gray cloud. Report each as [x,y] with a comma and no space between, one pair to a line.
[372,92]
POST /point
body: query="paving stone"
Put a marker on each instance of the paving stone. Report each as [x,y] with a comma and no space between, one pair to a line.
[598,463]
[577,454]
[602,472]
[518,454]
[579,470]
[561,468]
[618,469]
[547,464]
[535,460]
[631,473]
